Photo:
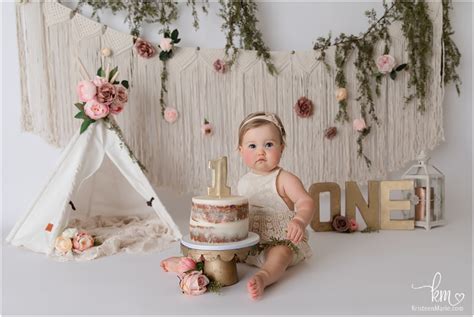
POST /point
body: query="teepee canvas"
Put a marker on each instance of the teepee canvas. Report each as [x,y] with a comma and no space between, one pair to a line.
[98,185]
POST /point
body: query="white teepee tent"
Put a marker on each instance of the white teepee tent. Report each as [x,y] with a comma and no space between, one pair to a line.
[95,177]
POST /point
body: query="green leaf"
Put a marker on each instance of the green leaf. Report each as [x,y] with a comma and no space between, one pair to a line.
[176,41]
[80,115]
[200,266]
[113,72]
[174,35]
[401,67]
[100,72]
[86,123]
[166,34]
[116,82]
[80,105]
[125,83]
[164,56]
[393,74]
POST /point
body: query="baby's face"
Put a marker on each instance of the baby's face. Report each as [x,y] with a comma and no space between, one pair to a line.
[261,148]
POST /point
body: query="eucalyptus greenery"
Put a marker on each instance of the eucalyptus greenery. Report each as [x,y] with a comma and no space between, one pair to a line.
[240,23]
[164,12]
[418,30]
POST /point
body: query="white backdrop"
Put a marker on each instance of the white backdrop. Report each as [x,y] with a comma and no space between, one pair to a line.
[28,160]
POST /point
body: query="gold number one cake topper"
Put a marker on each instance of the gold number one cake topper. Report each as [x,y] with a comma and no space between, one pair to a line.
[219,178]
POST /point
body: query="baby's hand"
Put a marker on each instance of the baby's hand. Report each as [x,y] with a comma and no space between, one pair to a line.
[295,230]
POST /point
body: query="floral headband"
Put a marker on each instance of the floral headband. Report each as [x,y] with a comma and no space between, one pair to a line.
[270,117]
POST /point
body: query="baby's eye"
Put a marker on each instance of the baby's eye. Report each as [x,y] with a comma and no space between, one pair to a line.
[268,145]
[251,146]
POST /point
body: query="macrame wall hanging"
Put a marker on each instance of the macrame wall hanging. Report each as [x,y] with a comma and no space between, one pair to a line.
[57,48]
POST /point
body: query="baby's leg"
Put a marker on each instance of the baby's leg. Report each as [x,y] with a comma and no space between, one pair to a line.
[277,260]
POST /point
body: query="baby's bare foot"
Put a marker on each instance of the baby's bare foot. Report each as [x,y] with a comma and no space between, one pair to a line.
[256,284]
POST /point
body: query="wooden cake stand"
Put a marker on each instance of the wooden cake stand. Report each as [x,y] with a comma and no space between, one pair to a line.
[219,259]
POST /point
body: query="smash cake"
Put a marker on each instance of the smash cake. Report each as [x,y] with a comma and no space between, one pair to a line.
[219,217]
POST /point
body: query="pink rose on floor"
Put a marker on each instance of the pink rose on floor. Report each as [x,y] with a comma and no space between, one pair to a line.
[385,63]
[86,90]
[99,81]
[341,94]
[63,245]
[122,94]
[359,124]
[116,107]
[207,129]
[165,44]
[171,114]
[82,241]
[194,283]
[96,110]
[353,226]
[178,264]
[220,66]
[303,107]
[144,48]
[106,93]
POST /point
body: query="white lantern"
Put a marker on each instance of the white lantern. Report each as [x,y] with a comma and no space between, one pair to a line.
[429,187]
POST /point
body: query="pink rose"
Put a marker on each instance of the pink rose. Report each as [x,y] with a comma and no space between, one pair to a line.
[207,129]
[359,124]
[116,107]
[171,114]
[99,81]
[144,48]
[96,110]
[220,66]
[122,94]
[82,241]
[385,63]
[165,44]
[194,283]
[106,93]
[303,107]
[86,90]
[353,226]
[178,264]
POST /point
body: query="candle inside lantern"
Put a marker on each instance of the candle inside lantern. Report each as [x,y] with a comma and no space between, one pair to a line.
[219,178]
[420,208]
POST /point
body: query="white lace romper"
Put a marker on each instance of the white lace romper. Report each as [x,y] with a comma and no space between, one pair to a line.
[269,215]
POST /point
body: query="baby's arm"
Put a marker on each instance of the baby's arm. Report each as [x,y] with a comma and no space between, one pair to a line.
[304,205]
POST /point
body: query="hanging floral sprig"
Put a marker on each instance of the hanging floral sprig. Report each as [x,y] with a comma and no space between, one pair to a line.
[166,45]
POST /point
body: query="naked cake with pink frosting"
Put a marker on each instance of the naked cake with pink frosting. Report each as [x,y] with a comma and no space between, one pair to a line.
[219,219]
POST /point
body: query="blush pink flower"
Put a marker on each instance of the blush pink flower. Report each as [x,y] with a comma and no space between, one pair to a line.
[82,241]
[96,110]
[353,226]
[385,63]
[86,90]
[63,245]
[359,124]
[194,283]
[99,81]
[144,48]
[122,94]
[220,66]
[303,107]
[116,107]
[165,44]
[178,264]
[170,114]
[207,129]
[341,94]
[106,93]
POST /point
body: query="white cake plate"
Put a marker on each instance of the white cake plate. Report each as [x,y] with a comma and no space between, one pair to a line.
[251,240]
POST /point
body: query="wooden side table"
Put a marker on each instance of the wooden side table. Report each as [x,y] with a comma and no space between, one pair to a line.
[220,259]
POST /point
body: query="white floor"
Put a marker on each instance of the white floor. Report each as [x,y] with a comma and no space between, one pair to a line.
[358,273]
